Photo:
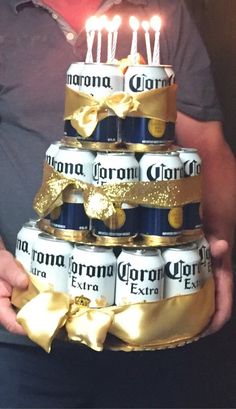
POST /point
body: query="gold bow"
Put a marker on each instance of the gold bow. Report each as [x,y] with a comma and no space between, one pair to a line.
[45,315]
[84,111]
[99,201]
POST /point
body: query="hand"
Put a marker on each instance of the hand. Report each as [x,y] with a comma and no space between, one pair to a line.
[223,275]
[11,275]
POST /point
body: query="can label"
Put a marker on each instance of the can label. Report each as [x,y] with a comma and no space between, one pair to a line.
[161,221]
[99,81]
[182,271]
[50,261]
[116,168]
[139,276]
[24,244]
[192,167]
[205,256]
[92,273]
[144,130]
[52,152]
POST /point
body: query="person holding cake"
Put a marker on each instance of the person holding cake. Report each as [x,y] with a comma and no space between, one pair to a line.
[38,41]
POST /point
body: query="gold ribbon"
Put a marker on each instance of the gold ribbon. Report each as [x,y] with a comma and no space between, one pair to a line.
[43,313]
[99,201]
[85,111]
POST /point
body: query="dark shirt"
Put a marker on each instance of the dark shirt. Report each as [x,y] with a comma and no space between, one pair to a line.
[34,57]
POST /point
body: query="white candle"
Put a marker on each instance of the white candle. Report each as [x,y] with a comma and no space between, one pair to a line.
[156,26]
[134,24]
[116,22]
[146,26]
[90,31]
[101,22]
[109,40]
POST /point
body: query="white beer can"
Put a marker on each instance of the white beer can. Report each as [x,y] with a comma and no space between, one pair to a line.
[92,274]
[182,270]
[24,243]
[50,261]
[74,163]
[205,255]
[52,151]
[140,275]
[116,168]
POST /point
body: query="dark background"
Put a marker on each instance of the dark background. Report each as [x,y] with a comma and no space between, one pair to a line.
[216,20]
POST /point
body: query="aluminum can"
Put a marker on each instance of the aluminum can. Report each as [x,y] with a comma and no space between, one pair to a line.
[50,261]
[141,78]
[51,152]
[98,80]
[74,163]
[182,270]
[77,164]
[205,255]
[24,243]
[170,73]
[92,274]
[140,274]
[192,167]
[161,221]
[116,168]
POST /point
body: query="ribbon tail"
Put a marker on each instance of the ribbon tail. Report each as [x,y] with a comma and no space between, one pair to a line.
[90,327]
[43,316]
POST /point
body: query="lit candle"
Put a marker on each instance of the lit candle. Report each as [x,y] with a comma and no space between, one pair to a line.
[100,25]
[146,26]
[134,24]
[90,31]
[156,26]
[116,22]
[109,40]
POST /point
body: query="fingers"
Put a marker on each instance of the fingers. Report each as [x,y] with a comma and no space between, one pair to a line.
[12,275]
[8,318]
[12,271]
[223,297]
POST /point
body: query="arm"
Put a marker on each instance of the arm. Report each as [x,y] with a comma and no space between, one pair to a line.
[219,204]
[11,275]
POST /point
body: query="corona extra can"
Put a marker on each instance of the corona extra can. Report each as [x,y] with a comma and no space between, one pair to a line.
[140,274]
[52,152]
[140,130]
[77,164]
[116,168]
[100,81]
[192,167]
[161,222]
[92,274]
[205,255]
[182,270]
[24,243]
[50,261]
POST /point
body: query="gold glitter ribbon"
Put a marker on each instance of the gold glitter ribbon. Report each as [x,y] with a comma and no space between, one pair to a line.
[84,111]
[43,313]
[99,201]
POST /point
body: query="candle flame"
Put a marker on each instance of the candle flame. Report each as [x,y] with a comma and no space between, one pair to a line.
[145,25]
[101,22]
[116,22]
[155,23]
[134,23]
[91,23]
